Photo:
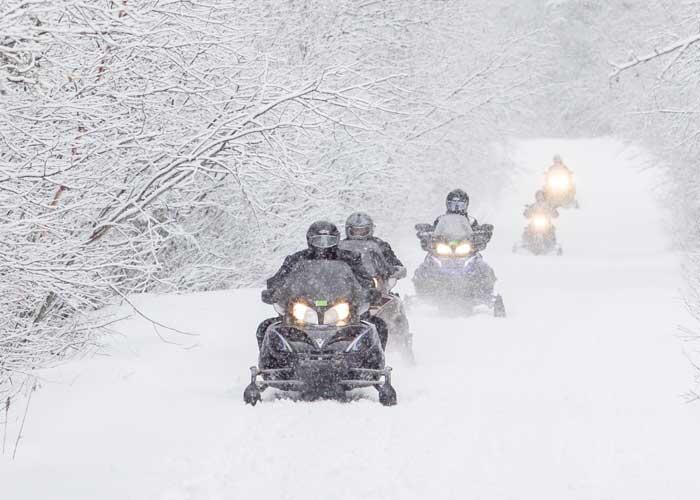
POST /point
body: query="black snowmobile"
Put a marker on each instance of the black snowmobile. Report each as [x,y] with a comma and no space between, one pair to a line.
[390,307]
[539,236]
[453,274]
[320,347]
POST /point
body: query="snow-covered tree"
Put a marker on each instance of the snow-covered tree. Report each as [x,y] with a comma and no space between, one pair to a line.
[187,145]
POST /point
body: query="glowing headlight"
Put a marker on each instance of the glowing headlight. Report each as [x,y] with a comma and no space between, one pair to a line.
[463,249]
[540,222]
[559,182]
[304,314]
[338,314]
[443,249]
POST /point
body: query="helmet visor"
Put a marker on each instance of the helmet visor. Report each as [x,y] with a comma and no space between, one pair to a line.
[359,231]
[456,206]
[324,240]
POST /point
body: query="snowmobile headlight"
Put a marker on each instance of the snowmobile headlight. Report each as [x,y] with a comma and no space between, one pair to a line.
[443,249]
[337,315]
[540,222]
[463,249]
[559,182]
[304,314]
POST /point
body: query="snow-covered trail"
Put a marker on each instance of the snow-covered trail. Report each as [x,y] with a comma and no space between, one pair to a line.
[576,395]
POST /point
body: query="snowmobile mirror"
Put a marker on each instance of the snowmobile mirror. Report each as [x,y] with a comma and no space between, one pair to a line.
[480,239]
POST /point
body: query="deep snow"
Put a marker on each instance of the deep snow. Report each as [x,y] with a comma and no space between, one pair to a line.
[576,395]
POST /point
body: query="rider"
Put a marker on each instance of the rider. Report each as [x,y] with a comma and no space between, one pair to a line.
[360,226]
[541,206]
[558,164]
[322,239]
[457,202]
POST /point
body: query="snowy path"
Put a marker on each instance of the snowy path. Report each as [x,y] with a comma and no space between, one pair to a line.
[574,396]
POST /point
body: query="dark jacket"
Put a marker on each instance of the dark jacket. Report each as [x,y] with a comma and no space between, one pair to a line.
[387,252]
[353,259]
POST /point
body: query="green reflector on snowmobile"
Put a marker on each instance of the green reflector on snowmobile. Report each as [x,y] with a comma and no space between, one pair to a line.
[321,303]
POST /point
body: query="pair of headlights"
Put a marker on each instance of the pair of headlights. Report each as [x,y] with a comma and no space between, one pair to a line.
[336,315]
[461,250]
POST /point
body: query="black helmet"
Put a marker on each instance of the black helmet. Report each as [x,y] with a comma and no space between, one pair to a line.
[322,235]
[457,202]
[359,226]
[540,196]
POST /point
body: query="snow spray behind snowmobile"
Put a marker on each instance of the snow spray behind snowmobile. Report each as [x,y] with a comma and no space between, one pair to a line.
[320,346]
[453,273]
[389,307]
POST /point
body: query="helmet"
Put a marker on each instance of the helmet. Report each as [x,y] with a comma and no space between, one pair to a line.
[322,235]
[457,202]
[557,159]
[540,196]
[359,226]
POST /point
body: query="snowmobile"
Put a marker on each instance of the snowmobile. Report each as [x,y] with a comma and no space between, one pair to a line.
[389,307]
[453,274]
[320,347]
[559,188]
[539,236]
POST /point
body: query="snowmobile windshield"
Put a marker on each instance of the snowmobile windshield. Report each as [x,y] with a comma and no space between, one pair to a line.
[322,283]
[324,240]
[453,227]
[372,259]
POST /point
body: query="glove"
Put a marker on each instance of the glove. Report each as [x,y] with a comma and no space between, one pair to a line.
[268,296]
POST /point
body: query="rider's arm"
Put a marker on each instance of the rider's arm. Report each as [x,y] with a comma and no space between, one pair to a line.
[389,254]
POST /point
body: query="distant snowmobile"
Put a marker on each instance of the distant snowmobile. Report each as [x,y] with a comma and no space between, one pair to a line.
[559,188]
[320,347]
[453,273]
[539,236]
[390,307]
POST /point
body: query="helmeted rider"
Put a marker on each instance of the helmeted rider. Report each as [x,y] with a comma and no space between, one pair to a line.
[360,226]
[322,240]
[457,202]
[558,164]
[541,206]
